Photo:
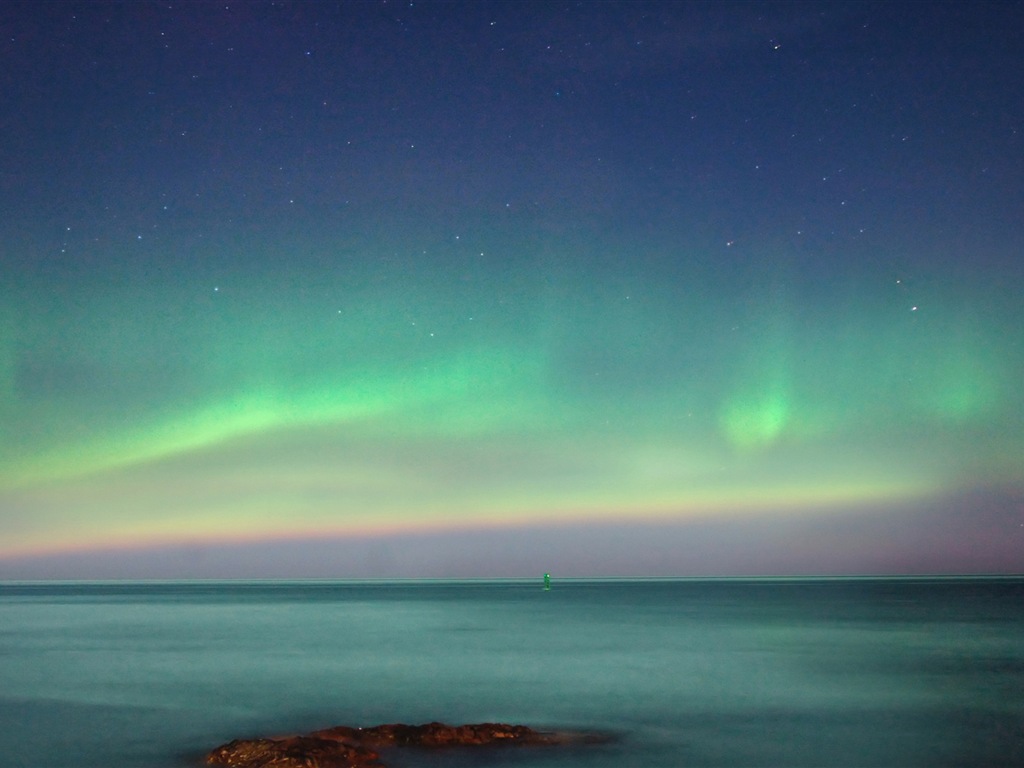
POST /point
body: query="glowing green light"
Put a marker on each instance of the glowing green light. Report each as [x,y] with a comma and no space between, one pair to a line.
[964,389]
[417,399]
[755,422]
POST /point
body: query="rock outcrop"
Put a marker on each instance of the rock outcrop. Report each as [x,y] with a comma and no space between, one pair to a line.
[347,747]
[435,735]
[293,752]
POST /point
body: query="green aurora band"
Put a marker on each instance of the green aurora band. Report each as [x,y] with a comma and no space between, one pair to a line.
[399,398]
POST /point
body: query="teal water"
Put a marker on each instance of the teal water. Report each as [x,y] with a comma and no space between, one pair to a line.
[873,672]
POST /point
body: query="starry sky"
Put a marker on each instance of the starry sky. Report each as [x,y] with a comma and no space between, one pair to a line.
[425,289]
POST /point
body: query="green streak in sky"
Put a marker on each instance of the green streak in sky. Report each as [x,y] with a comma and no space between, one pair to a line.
[757,420]
[967,377]
[762,406]
[407,403]
[439,387]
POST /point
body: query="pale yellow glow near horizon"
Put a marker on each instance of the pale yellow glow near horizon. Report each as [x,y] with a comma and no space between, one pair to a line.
[180,502]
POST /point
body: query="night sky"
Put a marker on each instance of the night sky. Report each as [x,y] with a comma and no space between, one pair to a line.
[488,289]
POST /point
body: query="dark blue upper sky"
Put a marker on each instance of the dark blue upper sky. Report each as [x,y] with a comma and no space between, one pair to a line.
[894,118]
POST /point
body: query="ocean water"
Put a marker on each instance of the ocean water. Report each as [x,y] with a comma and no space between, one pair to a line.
[862,672]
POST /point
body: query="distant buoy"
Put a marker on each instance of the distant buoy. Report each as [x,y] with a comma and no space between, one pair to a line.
[547,582]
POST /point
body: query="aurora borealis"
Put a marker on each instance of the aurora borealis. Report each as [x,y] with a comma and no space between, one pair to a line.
[461,283]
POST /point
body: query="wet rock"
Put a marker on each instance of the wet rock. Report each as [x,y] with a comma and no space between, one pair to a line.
[434,735]
[293,752]
[347,747]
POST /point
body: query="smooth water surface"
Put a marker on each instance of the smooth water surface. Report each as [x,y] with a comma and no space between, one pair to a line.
[862,672]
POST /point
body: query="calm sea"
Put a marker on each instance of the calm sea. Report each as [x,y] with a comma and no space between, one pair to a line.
[863,672]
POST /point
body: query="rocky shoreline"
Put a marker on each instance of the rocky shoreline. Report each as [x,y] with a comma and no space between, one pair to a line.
[346,747]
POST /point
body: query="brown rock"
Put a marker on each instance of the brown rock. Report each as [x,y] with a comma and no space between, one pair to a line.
[347,747]
[435,735]
[293,752]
